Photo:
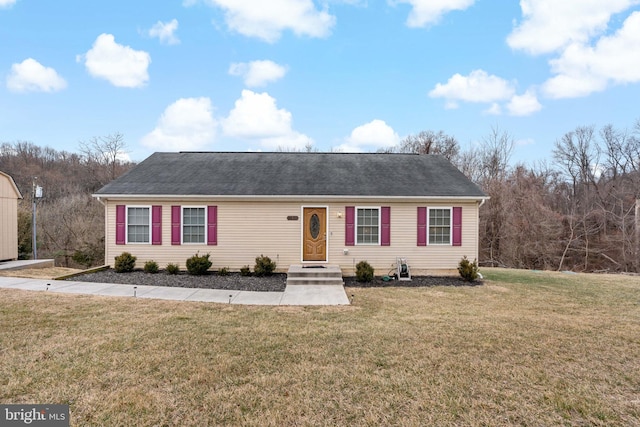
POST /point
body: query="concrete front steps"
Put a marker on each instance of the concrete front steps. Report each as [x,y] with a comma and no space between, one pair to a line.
[314,275]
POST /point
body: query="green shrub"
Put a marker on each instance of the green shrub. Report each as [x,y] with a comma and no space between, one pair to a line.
[151,267]
[364,272]
[125,262]
[198,265]
[264,266]
[245,271]
[468,270]
[84,258]
[224,271]
[172,268]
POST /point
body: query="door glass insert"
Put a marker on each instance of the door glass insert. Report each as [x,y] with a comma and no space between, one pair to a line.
[314,226]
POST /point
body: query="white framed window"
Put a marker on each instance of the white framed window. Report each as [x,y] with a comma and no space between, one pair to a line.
[194,224]
[367,225]
[440,226]
[138,224]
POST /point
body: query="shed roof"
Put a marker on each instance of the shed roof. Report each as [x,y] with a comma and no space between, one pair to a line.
[12,184]
[293,174]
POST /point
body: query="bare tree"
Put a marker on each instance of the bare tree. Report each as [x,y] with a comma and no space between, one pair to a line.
[577,155]
[73,229]
[494,156]
[470,163]
[107,152]
[429,142]
[532,230]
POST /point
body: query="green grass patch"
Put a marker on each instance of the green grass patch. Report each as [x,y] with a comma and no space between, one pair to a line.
[525,348]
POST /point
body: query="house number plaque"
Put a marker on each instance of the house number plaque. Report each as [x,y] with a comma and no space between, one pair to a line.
[292,218]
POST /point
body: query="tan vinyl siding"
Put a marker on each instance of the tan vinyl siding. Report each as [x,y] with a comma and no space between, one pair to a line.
[244,232]
[8,219]
[421,259]
[247,229]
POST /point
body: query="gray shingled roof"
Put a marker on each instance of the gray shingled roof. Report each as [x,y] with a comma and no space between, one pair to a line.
[293,174]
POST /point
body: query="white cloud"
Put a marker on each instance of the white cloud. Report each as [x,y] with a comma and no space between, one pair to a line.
[165,32]
[524,105]
[551,25]
[582,69]
[256,116]
[121,65]
[494,110]
[7,3]
[31,76]
[370,137]
[267,21]
[187,124]
[478,86]
[427,12]
[258,73]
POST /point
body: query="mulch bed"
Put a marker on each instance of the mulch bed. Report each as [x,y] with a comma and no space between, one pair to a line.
[415,282]
[234,281]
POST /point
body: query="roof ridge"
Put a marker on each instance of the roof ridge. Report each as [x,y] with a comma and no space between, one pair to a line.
[290,152]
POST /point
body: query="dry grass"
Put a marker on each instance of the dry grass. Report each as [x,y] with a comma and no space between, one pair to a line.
[40,273]
[524,349]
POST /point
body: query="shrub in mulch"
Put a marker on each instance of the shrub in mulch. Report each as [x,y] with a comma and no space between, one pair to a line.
[199,265]
[124,263]
[151,267]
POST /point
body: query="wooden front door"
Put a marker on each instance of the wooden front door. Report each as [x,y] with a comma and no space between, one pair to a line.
[314,235]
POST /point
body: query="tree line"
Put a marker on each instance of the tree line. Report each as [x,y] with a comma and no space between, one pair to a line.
[578,211]
[70,222]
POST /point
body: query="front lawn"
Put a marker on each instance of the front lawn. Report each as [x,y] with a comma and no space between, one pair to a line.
[525,348]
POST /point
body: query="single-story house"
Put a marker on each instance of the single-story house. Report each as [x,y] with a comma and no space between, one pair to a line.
[296,208]
[9,195]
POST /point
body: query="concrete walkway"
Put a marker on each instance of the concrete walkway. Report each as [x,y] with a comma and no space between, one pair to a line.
[293,294]
[26,263]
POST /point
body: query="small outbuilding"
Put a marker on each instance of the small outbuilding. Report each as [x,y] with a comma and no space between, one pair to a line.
[314,209]
[9,195]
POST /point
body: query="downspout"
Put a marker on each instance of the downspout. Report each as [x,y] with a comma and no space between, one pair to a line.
[482,202]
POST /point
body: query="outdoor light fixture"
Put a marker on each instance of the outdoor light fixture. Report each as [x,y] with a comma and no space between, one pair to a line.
[339,214]
[36,193]
[48,284]
[230,296]
[134,291]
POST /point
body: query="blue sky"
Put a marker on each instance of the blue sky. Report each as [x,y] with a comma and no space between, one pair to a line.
[351,75]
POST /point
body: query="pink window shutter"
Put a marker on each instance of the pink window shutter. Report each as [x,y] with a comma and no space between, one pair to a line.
[175,225]
[212,225]
[120,224]
[156,225]
[349,231]
[457,226]
[422,226]
[386,226]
